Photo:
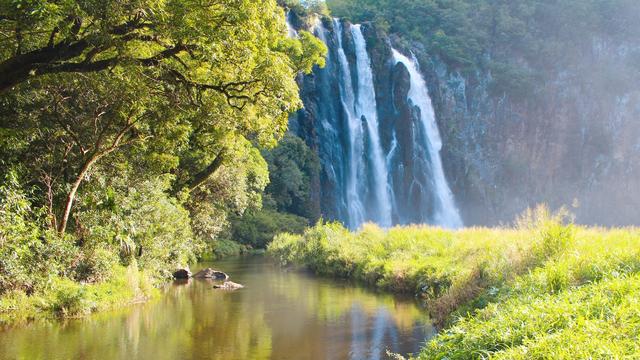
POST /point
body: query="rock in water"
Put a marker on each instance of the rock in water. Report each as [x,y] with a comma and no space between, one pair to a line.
[183,273]
[228,285]
[209,273]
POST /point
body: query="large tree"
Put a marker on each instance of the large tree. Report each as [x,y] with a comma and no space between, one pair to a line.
[182,84]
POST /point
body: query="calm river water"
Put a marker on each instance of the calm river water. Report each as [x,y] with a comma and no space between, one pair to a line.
[278,315]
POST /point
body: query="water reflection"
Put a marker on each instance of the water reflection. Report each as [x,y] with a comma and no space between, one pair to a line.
[279,315]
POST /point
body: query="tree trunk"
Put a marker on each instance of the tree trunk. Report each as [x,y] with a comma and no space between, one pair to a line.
[202,176]
[62,227]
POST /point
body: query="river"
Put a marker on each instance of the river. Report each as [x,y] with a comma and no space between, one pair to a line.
[279,314]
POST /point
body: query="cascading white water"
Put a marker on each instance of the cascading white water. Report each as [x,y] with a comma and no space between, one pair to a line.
[290,29]
[366,108]
[385,170]
[356,166]
[446,213]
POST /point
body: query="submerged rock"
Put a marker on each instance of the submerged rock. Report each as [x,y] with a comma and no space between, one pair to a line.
[209,273]
[183,273]
[228,285]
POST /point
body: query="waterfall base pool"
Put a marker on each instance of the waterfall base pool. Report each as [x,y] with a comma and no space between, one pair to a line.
[278,315]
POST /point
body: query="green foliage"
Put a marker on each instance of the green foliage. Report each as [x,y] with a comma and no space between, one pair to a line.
[292,166]
[225,248]
[287,204]
[307,52]
[30,256]
[512,80]
[446,28]
[139,222]
[544,289]
[554,232]
[257,228]
[135,127]
[520,42]
[579,304]
[303,7]
[64,297]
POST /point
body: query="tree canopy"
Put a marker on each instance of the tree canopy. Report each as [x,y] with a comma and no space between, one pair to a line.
[103,100]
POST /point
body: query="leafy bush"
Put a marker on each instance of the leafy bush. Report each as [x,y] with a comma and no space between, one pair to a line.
[140,222]
[96,263]
[288,205]
[30,256]
[258,228]
[292,165]
[225,248]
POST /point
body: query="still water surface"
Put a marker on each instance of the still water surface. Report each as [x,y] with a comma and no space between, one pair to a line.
[278,315]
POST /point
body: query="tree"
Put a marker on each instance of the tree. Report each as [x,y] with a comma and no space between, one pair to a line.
[179,83]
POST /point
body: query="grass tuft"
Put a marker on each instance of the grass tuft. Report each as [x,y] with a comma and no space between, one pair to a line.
[545,289]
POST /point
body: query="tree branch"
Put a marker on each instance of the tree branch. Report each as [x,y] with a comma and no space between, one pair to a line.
[200,178]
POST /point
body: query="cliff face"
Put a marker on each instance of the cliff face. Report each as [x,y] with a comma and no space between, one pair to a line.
[573,140]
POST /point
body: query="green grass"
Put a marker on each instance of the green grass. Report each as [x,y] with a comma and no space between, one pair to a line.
[65,298]
[540,290]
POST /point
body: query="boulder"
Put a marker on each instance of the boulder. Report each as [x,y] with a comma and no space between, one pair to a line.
[183,273]
[209,273]
[228,285]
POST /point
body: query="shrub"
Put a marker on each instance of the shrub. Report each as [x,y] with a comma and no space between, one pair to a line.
[143,223]
[257,228]
[96,263]
[225,248]
[70,299]
[30,255]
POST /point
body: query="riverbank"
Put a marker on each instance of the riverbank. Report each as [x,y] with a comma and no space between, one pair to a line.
[278,315]
[65,298]
[542,288]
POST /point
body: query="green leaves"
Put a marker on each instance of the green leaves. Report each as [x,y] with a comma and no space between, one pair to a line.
[139,123]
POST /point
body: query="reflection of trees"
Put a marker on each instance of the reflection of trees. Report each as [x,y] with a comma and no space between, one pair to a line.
[331,300]
[277,315]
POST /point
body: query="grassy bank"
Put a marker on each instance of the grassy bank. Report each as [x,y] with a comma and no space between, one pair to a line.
[542,289]
[65,298]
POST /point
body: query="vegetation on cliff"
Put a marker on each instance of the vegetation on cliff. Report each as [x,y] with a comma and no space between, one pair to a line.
[544,33]
[543,288]
[288,204]
[129,132]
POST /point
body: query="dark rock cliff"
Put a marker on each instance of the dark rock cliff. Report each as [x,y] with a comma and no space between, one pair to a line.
[574,140]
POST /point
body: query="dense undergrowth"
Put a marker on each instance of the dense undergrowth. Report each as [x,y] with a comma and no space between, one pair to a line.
[130,147]
[65,298]
[543,289]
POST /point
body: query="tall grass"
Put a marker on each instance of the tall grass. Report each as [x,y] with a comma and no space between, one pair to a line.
[65,298]
[542,289]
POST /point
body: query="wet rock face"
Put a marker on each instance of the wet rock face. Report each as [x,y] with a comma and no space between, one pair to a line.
[567,144]
[573,141]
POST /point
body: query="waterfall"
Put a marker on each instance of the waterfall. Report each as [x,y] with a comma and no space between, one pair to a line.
[290,29]
[329,127]
[356,166]
[380,155]
[367,110]
[446,213]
